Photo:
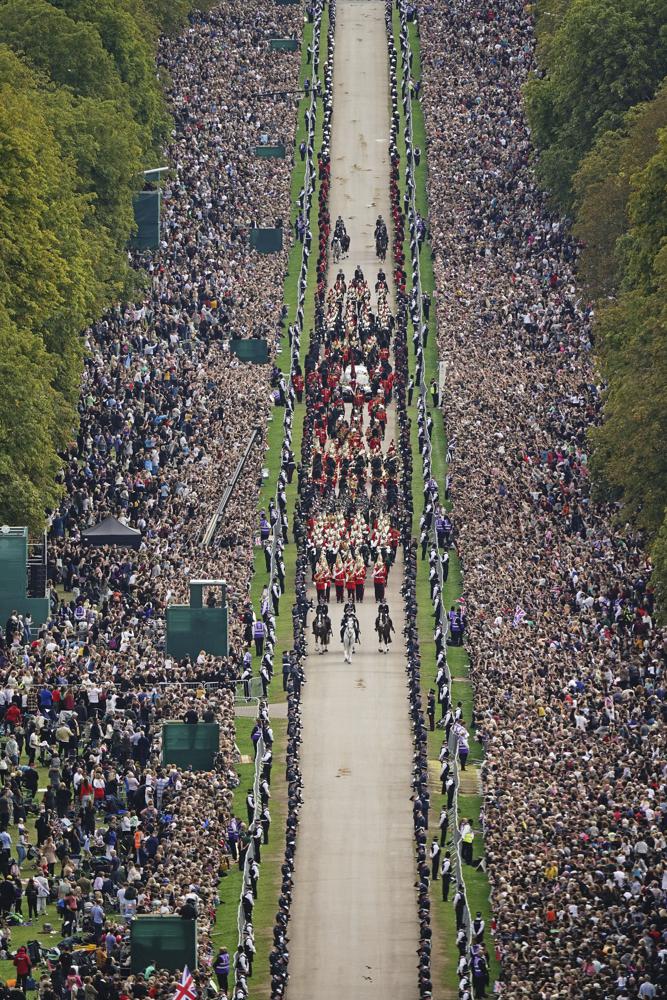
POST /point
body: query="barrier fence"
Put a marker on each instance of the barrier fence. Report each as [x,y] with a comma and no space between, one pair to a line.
[279,968]
[213,524]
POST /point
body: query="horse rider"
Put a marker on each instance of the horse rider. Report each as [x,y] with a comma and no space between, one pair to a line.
[322,624]
[340,233]
[349,612]
[384,626]
[381,238]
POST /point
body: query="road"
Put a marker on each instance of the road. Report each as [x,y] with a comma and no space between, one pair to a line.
[353,931]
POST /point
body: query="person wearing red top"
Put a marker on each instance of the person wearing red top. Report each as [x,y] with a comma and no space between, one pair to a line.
[23,966]
[359,581]
[379,579]
[12,716]
[350,583]
[322,584]
[339,582]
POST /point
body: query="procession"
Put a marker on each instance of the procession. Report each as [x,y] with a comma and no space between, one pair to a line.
[332,659]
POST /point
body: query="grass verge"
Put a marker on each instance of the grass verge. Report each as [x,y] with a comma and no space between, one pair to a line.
[272,855]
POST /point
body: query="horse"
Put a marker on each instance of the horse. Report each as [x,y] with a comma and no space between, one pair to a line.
[384,627]
[349,637]
[322,631]
[336,248]
[381,245]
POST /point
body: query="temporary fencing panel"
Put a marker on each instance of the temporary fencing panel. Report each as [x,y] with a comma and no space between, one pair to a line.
[189,630]
[266,240]
[165,942]
[284,44]
[146,207]
[187,745]
[255,351]
[14,578]
[270,152]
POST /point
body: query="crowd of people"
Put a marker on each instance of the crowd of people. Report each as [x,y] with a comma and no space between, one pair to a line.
[161,430]
[567,661]
[117,834]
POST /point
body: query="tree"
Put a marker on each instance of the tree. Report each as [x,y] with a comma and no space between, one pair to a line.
[629,457]
[32,428]
[647,209]
[128,34]
[602,190]
[604,57]
[171,15]
[629,447]
[71,54]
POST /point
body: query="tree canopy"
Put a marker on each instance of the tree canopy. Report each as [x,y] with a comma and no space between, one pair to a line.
[599,59]
[599,114]
[82,114]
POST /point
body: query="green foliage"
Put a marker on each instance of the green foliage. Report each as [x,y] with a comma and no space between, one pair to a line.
[31,418]
[599,118]
[629,456]
[128,35]
[58,264]
[630,445]
[171,15]
[659,554]
[81,115]
[647,210]
[602,191]
[71,54]
[47,262]
[603,57]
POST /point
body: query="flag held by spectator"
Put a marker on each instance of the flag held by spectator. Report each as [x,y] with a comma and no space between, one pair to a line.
[186,990]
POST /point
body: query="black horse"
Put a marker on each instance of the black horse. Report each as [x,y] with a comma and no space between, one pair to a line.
[322,630]
[384,627]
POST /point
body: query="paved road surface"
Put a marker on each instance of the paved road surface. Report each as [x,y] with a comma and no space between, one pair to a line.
[353,932]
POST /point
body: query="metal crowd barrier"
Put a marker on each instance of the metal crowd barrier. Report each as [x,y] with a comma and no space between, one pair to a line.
[210,532]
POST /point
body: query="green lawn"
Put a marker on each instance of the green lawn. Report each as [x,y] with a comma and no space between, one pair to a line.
[226,928]
[270,878]
[275,435]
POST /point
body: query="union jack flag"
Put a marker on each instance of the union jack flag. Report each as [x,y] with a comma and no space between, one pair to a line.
[186,990]
[519,615]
